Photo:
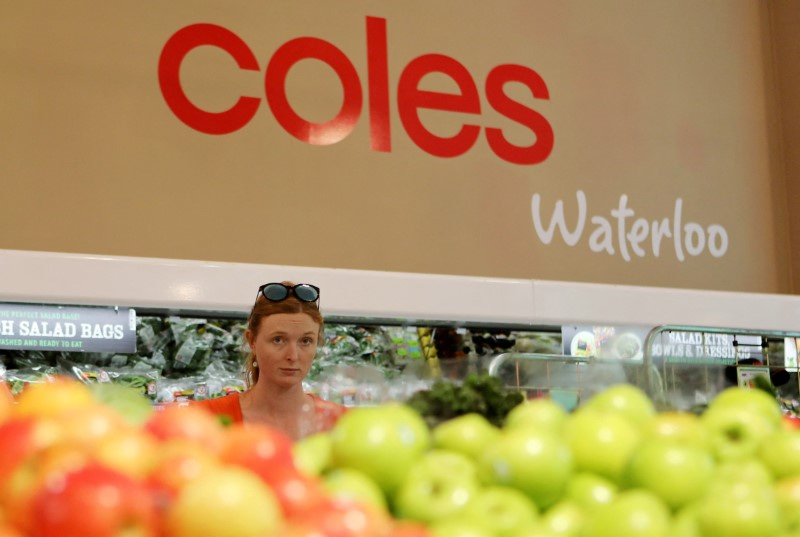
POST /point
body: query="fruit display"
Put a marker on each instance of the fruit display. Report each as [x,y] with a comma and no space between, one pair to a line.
[100,460]
[78,460]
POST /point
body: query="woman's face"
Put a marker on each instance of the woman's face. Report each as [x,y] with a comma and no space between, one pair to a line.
[284,347]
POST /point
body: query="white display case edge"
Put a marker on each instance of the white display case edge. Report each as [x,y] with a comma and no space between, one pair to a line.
[229,288]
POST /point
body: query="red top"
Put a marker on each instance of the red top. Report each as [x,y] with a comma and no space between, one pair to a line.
[326,413]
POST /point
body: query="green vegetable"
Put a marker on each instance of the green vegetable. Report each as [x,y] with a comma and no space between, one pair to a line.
[479,393]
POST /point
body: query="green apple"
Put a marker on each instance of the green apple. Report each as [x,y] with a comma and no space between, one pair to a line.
[736,433]
[787,494]
[456,527]
[780,452]
[751,470]
[632,513]
[468,434]
[229,502]
[131,403]
[684,427]
[505,511]
[312,454]
[439,484]
[736,506]
[539,463]
[382,441]
[601,442]
[351,484]
[678,473]
[626,400]
[684,522]
[590,490]
[754,400]
[540,413]
[565,519]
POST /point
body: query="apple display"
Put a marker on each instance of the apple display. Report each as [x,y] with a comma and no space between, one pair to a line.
[96,501]
[453,527]
[228,502]
[632,513]
[736,433]
[504,511]
[54,398]
[680,426]
[129,450]
[6,401]
[564,519]
[129,402]
[736,506]
[780,452]
[187,422]
[439,484]
[758,401]
[312,454]
[469,434]
[625,400]
[539,413]
[787,494]
[678,473]
[258,447]
[601,442]
[539,463]
[383,442]
[590,490]
[351,484]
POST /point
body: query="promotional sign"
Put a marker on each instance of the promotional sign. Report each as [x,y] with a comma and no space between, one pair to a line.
[627,344]
[67,328]
[623,142]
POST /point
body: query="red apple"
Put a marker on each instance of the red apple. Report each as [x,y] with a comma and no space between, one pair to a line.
[96,501]
[189,423]
[130,450]
[259,448]
[179,463]
[342,518]
[298,494]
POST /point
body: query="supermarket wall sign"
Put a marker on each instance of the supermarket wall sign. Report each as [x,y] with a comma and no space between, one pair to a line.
[67,328]
[618,231]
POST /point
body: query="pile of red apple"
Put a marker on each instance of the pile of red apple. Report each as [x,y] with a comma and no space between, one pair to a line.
[71,465]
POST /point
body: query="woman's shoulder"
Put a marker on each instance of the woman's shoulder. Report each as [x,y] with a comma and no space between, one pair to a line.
[227,405]
[329,409]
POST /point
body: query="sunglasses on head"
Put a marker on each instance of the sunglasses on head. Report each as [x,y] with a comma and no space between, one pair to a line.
[275,292]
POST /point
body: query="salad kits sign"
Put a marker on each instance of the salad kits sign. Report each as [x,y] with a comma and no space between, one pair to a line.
[67,328]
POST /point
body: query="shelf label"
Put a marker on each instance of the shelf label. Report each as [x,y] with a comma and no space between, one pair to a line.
[67,328]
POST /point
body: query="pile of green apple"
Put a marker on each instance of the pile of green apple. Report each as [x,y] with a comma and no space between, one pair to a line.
[615,467]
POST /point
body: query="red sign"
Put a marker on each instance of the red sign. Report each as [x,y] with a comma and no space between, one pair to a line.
[410,98]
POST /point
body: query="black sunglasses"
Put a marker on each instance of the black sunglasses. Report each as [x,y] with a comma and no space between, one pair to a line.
[275,292]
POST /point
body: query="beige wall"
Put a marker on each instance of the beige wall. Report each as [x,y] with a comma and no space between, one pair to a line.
[784,20]
[650,102]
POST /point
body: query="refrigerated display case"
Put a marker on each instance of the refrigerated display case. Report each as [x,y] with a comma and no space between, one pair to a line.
[190,318]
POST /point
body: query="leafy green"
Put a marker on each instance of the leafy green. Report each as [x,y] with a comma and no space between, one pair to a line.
[480,393]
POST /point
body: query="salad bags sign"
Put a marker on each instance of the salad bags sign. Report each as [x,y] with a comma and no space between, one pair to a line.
[63,328]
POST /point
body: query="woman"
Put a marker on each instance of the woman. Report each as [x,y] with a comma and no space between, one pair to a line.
[284,330]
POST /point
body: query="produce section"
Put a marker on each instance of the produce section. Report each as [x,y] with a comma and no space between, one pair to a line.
[615,466]
[186,351]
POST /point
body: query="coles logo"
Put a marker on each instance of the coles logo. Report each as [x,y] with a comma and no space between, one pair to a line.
[410,99]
